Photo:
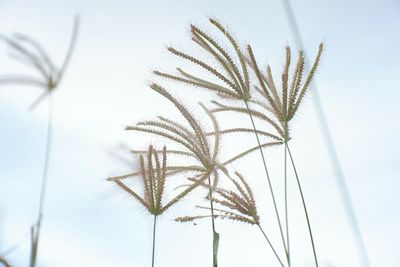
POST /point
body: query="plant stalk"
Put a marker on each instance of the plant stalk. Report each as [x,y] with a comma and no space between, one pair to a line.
[215,234]
[286,206]
[154,239]
[268,179]
[304,206]
[37,226]
[269,243]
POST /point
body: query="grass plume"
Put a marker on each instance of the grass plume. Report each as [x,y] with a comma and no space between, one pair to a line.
[153,173]
[276,107]
[31,53]
[233,79]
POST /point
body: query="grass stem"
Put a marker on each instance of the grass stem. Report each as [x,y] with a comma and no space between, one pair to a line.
[154,239]
[37,226]
[286,206]
[215,234]
[269,180]
[304,205]
[269,243]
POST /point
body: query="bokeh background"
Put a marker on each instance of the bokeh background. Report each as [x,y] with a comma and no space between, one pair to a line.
[89,222]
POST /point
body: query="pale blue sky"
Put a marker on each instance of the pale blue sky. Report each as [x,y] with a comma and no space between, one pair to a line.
[90,223]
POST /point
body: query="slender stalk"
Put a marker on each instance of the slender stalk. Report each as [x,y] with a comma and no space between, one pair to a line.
[269,180]
[286,206]
[269,243]
[37,227]
[154,239]
[215,234]
[304,205]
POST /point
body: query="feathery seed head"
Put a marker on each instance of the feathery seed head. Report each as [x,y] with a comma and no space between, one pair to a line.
[233,78]
[31,53]
[281,104]
[192,138]
[153,171]
[238,205]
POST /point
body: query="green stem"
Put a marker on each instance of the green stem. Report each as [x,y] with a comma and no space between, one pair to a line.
[214,233]
[304,206]
[37,226]
[154,239]
[286,207]
[269,243]
[269,179]
[211,203]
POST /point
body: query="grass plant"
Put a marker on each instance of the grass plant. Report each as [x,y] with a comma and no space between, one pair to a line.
[48,77]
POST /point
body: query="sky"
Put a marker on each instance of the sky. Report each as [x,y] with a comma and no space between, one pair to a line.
[89,222]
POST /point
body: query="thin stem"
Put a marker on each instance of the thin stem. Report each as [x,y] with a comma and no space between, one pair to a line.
[154,239]
[215,234]
[37,227]
[269,243]
[286,206]
[47,156]
[304,206]
[211,203]
[269,179]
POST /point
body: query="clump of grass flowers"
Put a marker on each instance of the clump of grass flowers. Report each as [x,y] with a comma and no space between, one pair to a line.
[153,171]
[262,99]
[194,143]
[235,77]
[48,77]
[232,82]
